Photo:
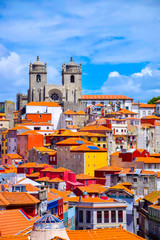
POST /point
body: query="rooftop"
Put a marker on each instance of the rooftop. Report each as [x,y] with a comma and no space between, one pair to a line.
[104,97]
[47,104]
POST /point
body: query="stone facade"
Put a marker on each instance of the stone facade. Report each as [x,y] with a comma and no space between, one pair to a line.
[67,94]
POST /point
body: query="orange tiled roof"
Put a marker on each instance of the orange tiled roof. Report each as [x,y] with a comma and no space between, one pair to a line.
[35,174]
[73,141]
[29,165]
[156,206]
[81,112]
[103,234]
[155,155]
[16,237]
[145,105]
[17,198]
[14,156]
[18,127]
[148,159]
[125,111]
[99,105]
[13,221]
[120,186]
[152,197]
[59,193]
[101,97]
[37,123]
[56,180]
[86,148]
[47,104]
[84,176]
[69,112]
[51,196]
[115,153]
[145,172]
[93,188]
[31,188]
[95,127]
[151,117]
[43,179]
[73,127]
[109,168]
[30,132]
[90,199]
[5,132]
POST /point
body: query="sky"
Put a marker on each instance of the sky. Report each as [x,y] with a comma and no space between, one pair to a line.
[117,42]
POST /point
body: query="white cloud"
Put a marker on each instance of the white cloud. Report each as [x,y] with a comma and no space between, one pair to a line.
[114,74]
[141,86]
[53,75]
[145,71]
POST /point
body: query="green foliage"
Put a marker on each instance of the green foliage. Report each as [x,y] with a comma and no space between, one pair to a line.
[153,100]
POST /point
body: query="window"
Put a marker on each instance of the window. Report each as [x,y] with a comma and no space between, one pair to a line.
[6,151]
[113,216]
[149,113]
[99,217]
[72,78]
[56,186]
[37,128]
[104,145]
[121,130]
[40,115]
[145,180]
[38,78]
[149,165]
[104,139]
[106,216]
[98,139]
[2,151]
[98,145]
[2,144]
[88,216]
[116,130]
[6,144]
[15,140]
[144,113]
[81,216]
[6,161]
[47,128]
[120,216]
[134,180]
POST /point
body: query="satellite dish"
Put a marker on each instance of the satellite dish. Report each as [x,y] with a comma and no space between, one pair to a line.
[2,188]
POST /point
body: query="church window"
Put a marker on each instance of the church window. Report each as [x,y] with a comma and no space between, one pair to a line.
[55,96]
[38,78]
[72,78]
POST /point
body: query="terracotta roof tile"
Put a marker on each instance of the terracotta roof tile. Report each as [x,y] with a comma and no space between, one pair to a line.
[18,198]
[148,159]
[93,188]
[95,127]
[69,112]
[87,148]
[56,180]
[101,97]
[47,104]
[84,176]
[13,221]
[103,234]
[73,141]
[109,168]
[120,186]
[152,197]
[81,112]
[14,156]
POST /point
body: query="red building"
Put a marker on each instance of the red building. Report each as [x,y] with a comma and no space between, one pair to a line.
[17,200]
[28,140]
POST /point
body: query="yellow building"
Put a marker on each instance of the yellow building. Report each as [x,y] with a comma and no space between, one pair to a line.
[4,143]
[93,157]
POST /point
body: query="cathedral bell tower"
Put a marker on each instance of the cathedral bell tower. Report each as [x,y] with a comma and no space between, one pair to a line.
[37,81]
[72,81]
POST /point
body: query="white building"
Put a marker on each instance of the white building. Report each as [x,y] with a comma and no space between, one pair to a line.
[143,109]
[45,107]
[124,102]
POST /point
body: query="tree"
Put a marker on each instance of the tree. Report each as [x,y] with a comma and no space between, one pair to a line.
[153,100]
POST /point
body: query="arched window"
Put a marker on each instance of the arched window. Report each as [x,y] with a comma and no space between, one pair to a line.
[72,78]
[38,78]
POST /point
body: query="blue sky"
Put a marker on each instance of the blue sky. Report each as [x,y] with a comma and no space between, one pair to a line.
[117,42]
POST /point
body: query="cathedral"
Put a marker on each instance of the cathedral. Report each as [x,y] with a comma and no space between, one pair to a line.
[67,94]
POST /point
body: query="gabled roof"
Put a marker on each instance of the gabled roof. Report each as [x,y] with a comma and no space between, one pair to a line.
[30,132]
[47,104]
[104,97]
[17,198]
[120,186]
[69,112]
[14,221]
[92,188]
[14,156]
[43,179]
[87,148]
[81,112]
[73,141]
[125,111]
[95,127]
[56,180]
[109,168]
[27,181]
[148,159]
[151,117]
[84,176]
[152,197]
